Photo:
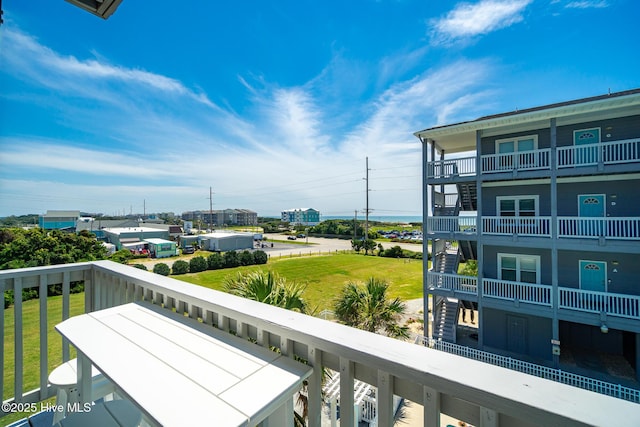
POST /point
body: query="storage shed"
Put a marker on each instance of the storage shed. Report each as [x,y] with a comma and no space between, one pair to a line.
[160,248]
[226,241]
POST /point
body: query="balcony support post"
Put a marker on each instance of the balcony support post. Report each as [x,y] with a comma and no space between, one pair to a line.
[314,387]
[384,398]
[488,417]
[44,346]
[347,412]
[431,406]
[555,322]
[480,233]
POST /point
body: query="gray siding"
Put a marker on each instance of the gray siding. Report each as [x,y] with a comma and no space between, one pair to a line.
[488,144]
[538,333]
[621,197]
[618,129]
[490,265]
[623,281]
[489,195]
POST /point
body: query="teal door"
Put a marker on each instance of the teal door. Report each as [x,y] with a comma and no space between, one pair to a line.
[591,206]
[593,276]
[590,140]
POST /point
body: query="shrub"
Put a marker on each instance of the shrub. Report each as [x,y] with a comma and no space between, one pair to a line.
[140,266]
[260,257]
[215,261]
[121,256]
[246,258]
[197,264]
[180,267]
[231,259]
[161,268]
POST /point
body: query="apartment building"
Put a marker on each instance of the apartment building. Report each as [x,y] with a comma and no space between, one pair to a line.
[223,217]
[301,216]
[547,200]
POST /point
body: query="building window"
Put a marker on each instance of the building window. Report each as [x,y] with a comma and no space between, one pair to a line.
[517,205]
[586,136]
[518,144]
[519,268]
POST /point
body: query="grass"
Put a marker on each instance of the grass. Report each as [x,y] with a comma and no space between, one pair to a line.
[325,276]
[31,343]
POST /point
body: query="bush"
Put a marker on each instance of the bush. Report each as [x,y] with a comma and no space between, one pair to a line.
[180,267]
[260,257]
[161,268]
[140,266]
[121,256]
[398,252]
[8,299]
[197,264]
[231,259]
[215,261]
[246,258]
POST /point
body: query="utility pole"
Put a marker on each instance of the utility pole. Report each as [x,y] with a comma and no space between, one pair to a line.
[210,210]
[366,209]
[355,224]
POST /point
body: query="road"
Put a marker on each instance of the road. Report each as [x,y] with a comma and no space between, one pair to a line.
[319,245]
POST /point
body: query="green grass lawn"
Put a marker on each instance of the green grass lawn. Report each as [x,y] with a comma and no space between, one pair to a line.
[31,339]
[325,276]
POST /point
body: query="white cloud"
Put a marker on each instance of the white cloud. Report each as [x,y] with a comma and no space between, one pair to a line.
[587,4]
[467,20]
[292,147]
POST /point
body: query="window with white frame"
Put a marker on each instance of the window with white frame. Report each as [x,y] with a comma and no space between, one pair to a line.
[517,205]
[517,144]
[519,268]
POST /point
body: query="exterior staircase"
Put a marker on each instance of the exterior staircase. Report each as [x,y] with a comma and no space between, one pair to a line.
[445,319]
[467,196]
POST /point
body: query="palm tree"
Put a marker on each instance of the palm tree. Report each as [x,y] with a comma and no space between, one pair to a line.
[268,288]
[366,306]
[271,289]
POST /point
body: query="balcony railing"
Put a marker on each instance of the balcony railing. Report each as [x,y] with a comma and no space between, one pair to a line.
[537,226]
[605,153]
[608,227]
[524,160]
[453,282]
[465,166]
[394,367]
[517,291]
[612,304]
[445,224]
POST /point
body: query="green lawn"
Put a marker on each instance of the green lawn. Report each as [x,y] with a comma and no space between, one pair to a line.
[325,276]
[31,339]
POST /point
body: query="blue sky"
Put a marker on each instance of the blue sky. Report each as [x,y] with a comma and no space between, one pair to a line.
[276,105]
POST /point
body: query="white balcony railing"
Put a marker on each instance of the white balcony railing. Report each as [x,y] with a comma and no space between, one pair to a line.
[524,160]
[517,291]
[451,224]
[394,367]
[538,226]
[612,304]
[606,153]
[609,227]
[450,168]
[452,282]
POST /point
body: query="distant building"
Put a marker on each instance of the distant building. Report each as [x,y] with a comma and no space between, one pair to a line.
[223,217]
[161,248]
[225,241]
[133,237]
[303,216]
[59,220]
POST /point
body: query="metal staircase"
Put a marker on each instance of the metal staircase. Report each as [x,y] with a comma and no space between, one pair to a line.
[446,259]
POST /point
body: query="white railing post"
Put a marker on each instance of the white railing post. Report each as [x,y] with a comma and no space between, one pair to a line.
[44,329]
[347,413]
[384,399]
[314,387]
[431,406]
[19,344]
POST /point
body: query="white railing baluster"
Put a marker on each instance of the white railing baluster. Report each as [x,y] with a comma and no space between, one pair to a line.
[44,329]
[18,339]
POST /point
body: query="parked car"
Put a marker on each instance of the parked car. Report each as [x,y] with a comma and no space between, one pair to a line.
[188,250]
[291,237]
[301,236]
